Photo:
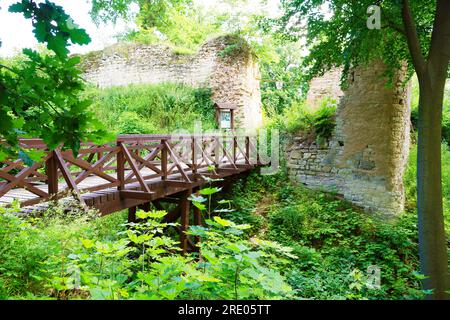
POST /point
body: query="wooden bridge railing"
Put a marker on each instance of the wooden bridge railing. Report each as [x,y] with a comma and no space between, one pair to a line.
[129,159]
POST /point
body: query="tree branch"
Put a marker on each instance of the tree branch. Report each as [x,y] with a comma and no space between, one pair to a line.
[413,40]
[7,68]
[390,23]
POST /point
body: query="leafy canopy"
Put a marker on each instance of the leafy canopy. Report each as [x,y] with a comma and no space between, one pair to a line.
[51,25]
[337,33]
[39,95]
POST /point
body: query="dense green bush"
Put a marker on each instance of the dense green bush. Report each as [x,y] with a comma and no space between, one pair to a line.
[149,109]
[316,122]
[26,244]
[335,242]
[74,256]
[283,82]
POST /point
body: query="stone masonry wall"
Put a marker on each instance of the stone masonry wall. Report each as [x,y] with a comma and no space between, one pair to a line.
[326,86]
[367,154]
[233,79]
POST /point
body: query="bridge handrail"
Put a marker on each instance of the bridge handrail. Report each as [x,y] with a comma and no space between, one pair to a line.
[120,162]
[37,143]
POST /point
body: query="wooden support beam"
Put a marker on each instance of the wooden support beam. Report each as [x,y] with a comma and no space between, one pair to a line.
[170,200]
[158,205]
[20,180]
[145,207]
[132,214]
[139,195]
[179,184]
[96,168]
[189,244]
[89,169]
[228,170]
[208,175]
[184,208]
[51,170]
[68,177]
[197,221]
[164,160]
[174,158]
[172,216]
[135,169]
[245,166]
[120,168]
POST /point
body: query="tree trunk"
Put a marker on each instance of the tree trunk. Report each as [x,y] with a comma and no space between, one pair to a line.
[432,237]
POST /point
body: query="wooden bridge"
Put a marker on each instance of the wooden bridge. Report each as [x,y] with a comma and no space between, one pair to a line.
[134,171]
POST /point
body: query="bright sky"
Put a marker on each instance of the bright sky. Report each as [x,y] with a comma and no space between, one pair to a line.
[16,31]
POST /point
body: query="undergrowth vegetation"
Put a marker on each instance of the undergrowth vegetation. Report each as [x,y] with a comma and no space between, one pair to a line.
[150,109]
[316,121]
[335,243]
[80,257]
[278,241]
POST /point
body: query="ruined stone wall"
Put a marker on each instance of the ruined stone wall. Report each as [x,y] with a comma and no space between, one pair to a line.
[367,154]
[233,78]
[326,86]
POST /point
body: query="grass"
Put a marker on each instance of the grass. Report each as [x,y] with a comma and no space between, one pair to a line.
[151,109]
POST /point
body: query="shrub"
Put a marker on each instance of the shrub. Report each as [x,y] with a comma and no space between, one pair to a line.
[143,264]
[335,242]
[318,123]
[26,245]
[161,108]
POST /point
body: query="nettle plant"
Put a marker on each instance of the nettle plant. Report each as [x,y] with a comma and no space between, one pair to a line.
[235,265]
[144,263]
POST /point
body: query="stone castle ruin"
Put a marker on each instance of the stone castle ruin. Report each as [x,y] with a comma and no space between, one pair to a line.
[233,76]
[366,157]
[363,161]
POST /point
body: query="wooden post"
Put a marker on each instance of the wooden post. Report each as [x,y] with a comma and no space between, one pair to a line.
[184,208]
[197,221]
[247,149]
[100,156]
[216,152]
[51,168]
[120,167]
[132,214]
[235,142]
[164,160]
[232,119]
[194,155]
[145,207]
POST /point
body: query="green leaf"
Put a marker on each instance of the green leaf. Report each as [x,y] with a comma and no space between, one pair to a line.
[209,191]
[87,243]
[79,36]
[223,222]
[199,205]
[157,214]
[195,198]
[40,31]
[18,7]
